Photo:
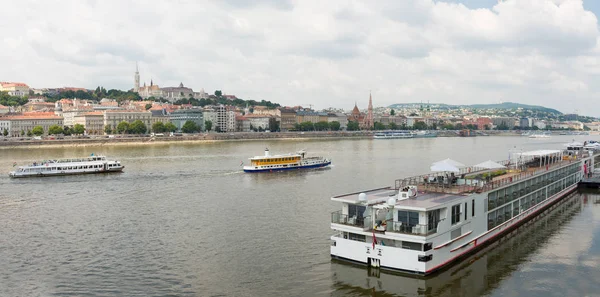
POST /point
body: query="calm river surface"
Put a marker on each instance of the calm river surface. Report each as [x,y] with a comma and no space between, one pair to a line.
[184,220]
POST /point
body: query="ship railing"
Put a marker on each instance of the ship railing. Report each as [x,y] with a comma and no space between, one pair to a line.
[411,229]
[337,217]
[524,174]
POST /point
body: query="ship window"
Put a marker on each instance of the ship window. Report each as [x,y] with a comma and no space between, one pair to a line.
[433,218]
[427,246]
[492,200]
[465,211]
[408,218]
[411,245]
[473,208]
[455,214]
[356,210]
[357,237]
[425,258]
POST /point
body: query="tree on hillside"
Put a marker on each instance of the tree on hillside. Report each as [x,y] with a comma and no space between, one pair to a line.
[37,130]
[419,125]
[158,127]
[170,127]
[352,126]
[379,126]
[122,127]
[148,106]
[55,130]
[218,93]
[137,127]
[334,126]
[392,112]
[78,129]
[189,127]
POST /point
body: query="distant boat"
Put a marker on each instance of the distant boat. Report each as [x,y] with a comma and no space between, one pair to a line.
[92,164]
[298,160]
[539,136]
[425,134]
[393,135]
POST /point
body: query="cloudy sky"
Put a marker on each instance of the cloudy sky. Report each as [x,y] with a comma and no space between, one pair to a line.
[325,53]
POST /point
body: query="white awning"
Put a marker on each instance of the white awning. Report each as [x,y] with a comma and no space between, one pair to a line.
[489,165]
[444,166]
[451,162]
[539,153]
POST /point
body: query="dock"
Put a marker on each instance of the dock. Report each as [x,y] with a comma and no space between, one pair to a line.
[590,182]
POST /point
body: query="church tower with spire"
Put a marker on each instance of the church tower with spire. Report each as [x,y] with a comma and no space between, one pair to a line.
[136,86]
[369,118]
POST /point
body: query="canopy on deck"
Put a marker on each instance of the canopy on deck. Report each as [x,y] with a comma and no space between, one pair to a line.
[489,165]
[539,153]
[574,143]
[451,162]
[444,166]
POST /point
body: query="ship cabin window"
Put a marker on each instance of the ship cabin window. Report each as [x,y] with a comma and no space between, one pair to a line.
[357,237]
[433,218]
[455,214]
[356,211]
[408,218]
[415,246]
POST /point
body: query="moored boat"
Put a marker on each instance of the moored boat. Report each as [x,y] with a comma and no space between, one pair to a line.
[423,224]
[87,165]
[425,134]
[393,135]
[298,160]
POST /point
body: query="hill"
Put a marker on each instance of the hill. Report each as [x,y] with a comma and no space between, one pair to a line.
[501,106]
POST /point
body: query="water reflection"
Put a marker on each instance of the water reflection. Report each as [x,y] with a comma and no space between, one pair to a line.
[477,275]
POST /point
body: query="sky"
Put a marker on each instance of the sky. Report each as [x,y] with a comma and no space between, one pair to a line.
[311,52]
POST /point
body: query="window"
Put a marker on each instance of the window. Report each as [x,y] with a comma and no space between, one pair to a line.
[433,218]
[465,211]
[425,258]
[473,208]
[356,210]
[408,218]
[357,237]
[455,214]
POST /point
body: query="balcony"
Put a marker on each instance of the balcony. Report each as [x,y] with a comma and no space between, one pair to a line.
[355,221]
[418,229]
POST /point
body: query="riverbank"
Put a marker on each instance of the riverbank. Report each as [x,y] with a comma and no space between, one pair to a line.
[26,142]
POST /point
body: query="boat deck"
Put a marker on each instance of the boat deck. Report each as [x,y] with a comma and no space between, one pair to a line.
[423,200]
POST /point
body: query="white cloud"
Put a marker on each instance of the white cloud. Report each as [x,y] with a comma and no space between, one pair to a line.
[326,53]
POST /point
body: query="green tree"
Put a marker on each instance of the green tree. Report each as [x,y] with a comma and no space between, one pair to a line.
[208,125]
[29,133]
[67,130]
[378,126]
[334,126]
[189,127]
[273,125]
[459,126]
[148,106]
[78,129]
[218,93]
[321,126]
[5,133]
[108,129]
[307,126]
[38,130]
[55,130]
[419,125]
[352,126]
[22,132]
[158,127]
[170,127]
[137,127]
[392,126]
[448,126]
[123,127]
[392,112]
[502,126]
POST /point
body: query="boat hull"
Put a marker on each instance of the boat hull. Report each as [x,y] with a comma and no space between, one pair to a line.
[63,173]
[319,165]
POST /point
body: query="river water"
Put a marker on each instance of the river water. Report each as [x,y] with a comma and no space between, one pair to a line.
[184,220]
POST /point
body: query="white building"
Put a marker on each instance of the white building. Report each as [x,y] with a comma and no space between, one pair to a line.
[4,125]
[14,88]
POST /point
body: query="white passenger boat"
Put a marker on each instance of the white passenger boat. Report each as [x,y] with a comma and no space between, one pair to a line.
[393,135]
[425,223]
[92,164]
[539,136]
[269,163]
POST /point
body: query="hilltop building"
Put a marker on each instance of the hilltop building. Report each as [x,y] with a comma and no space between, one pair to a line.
[14,88]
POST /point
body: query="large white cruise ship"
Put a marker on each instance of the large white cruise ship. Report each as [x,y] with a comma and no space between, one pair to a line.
[425,223]
[92,164]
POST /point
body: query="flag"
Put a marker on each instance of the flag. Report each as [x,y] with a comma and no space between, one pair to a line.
[241,163]
[14,164]
[374,239]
